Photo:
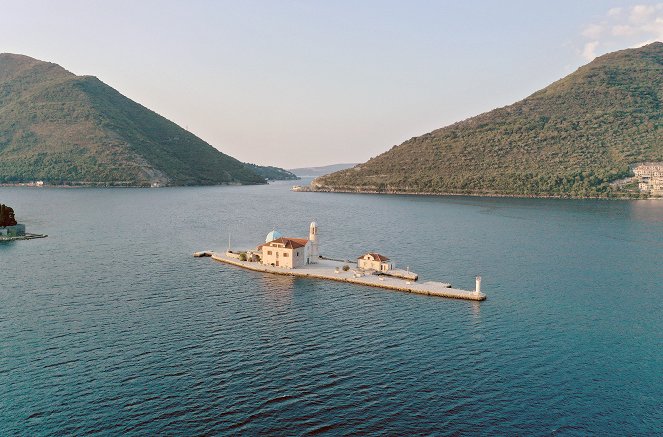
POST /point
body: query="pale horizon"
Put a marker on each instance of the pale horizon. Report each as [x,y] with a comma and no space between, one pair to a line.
[309,84]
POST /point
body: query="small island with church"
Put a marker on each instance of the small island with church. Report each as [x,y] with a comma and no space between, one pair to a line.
[10,229]
[301,257]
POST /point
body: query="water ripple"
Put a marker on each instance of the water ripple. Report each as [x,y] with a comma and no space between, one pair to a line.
[111,334]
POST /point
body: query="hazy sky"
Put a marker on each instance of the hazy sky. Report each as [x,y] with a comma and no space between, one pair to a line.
[299,83]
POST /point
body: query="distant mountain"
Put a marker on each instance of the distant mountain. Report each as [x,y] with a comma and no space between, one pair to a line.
[320,171]
[272,173]
[62,128]
[572,138]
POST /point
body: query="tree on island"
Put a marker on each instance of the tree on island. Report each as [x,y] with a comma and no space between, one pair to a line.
[7,216]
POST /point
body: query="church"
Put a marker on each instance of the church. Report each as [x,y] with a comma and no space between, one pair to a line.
[290,253]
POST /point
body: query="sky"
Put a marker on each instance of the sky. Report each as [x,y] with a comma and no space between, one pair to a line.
[310,83]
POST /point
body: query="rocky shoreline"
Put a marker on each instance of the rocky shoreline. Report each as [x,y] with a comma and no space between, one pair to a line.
[513,196]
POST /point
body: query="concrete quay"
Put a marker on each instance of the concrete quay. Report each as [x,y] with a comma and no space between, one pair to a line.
[333,270]
[27,236]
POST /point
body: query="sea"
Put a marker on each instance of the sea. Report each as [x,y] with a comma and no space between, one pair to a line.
[110,326]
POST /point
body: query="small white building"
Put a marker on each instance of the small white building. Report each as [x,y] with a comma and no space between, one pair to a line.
[374,261]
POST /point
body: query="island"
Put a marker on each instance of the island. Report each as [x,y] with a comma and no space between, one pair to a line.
[301,257]
[10,229]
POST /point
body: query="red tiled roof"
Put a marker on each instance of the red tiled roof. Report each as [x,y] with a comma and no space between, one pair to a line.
[376,256]
[290,243]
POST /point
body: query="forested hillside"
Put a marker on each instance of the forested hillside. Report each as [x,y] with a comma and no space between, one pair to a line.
[572,138]
[62,128]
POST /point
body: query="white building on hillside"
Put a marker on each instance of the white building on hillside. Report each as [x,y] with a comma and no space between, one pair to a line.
[650,176]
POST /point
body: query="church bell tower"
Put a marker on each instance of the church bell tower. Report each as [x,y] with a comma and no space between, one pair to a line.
[313,237]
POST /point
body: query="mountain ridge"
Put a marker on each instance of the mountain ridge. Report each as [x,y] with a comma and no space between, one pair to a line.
[62,128]
[572,138]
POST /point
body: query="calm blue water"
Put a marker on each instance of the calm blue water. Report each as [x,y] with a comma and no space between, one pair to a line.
[110,325]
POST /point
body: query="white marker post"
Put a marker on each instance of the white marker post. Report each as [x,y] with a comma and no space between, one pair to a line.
[477,290]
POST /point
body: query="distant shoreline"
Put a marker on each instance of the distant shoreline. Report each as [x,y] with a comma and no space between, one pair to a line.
[319,190]
[118,185]
[513,196]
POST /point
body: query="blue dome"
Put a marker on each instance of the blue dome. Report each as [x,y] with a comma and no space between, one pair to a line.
[274,235]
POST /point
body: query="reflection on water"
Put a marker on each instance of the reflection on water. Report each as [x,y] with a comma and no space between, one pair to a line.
[274,289]
[646,210]
[476,311]
[7,245]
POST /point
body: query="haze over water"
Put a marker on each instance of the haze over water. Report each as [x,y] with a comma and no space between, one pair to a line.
[110,326]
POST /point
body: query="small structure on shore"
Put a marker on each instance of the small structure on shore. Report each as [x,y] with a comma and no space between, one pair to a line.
[374,261]
[301,188]
[9,227]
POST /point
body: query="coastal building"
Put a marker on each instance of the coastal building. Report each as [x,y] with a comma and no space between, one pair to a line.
[650,177]
[285,252]
[16,230]
[289,253]
[374,261]
[9,227]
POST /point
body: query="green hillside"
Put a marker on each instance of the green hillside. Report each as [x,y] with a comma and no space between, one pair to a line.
[62,128]
[572,138]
